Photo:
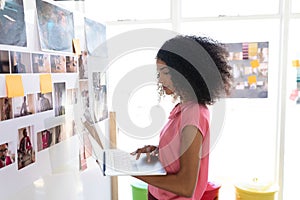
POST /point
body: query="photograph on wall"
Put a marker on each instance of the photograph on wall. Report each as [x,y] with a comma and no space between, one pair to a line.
[55,27]
[12,23]
[60,133]
[6,108]
[45,139]
[85,100]
[23,106]
[7,155]
[95,35]
[59,98]
[4,62]
[72,96]
[71,64]
[44,102]
[58,63]
[20,62]
[26,150]
[100,96]
[82,65]
[249,61]
[40,63]
[70,128]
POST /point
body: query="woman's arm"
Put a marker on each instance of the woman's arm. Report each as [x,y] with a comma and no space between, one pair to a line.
[182,183]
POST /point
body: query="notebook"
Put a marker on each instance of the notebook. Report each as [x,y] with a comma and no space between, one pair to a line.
[115,162]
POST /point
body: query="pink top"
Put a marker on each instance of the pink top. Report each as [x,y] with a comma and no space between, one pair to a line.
[189,113]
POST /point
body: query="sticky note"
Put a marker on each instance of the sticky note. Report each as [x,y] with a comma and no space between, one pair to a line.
[76,46]
[45,83]
[254,63]
[14,86]
[296,63]
[252,49]
[251,79]
[294,95]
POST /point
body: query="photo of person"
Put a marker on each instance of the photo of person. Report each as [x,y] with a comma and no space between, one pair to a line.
[82,64]
[20,62]
[23,106]
[40,63]
[59,98]
[55,26]
[100,96]
[45,139]
[72,96]
[44,102]
[95,34]
[60,133]
[6,108]
[7,156]
[58,63]
[71,64]
[12,23]
[26,153]
[4,62]
[85,100]
[70,128]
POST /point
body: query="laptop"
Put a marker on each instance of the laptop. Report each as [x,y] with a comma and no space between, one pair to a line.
[115,162]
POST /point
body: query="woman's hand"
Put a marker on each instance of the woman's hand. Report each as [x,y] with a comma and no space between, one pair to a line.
[150,150]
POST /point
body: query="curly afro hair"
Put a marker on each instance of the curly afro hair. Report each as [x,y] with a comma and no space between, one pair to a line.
[199,68]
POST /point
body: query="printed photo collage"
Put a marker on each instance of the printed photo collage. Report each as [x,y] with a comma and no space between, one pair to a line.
[56,32]
[23,150]
[250,62]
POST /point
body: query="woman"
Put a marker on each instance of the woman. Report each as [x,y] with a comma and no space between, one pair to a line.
[195,70]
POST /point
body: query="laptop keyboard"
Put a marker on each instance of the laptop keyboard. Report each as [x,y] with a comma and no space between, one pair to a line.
[119,160]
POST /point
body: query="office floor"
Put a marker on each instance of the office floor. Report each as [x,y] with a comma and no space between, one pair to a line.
[68,185]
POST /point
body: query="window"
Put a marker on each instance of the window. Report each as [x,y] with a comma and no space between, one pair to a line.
[214,8]
[128,10]
[295,6]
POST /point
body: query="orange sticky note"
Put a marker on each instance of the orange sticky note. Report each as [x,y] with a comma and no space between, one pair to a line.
[14,86]
[45,83]
[76,46]
[254,63]
[296,63]
[251,79]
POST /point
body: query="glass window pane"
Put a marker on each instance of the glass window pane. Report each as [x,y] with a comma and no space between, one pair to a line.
[114,10]
[292,148]
[213,8]
[113,30]
[295,6]
[247,146]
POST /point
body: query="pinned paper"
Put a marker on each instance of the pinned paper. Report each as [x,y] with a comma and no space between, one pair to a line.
[76,46]
[14,86]
[251,80]
[254,63]
[296,63]
[252,49]
[294,95]
[45,83]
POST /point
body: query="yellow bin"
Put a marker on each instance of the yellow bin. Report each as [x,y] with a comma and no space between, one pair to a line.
[255,191]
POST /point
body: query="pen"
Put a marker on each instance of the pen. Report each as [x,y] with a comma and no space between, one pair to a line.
[104,166]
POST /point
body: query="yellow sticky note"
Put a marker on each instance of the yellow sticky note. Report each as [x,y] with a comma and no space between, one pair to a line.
[252,49]
[14,86]
[45,83]
[296,63]
[254,63]
[76,46]
[251,79]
